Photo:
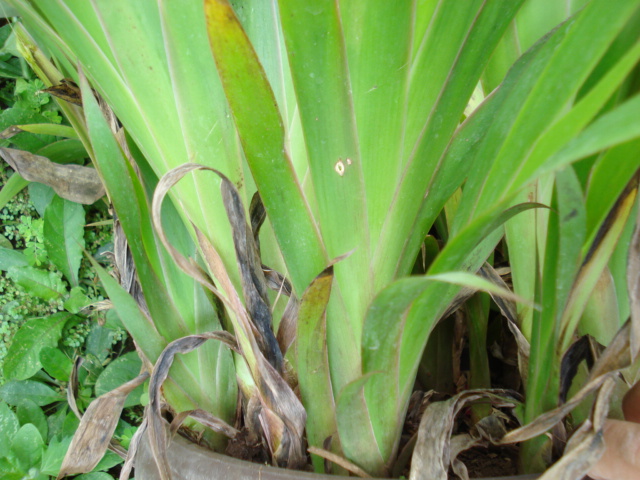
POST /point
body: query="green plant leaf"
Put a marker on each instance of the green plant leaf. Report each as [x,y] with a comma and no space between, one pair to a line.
[40,283]
[261,133]
[11,188]
[52,457]
[56,363]
[77,300]
[23,358]
[9,425]
[27,446]
[121,370]
[40,195]
[13,392]
[64,236]
[12,258]
[94,476]
[29,412]
[313,366]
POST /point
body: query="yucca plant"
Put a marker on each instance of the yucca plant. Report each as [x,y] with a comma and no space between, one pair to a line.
[353,127]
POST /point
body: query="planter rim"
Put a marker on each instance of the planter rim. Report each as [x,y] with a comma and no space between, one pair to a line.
[204,464]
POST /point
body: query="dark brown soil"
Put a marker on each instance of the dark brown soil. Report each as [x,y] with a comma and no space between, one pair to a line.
[490,462]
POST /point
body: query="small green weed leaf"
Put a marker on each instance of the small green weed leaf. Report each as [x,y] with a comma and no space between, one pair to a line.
[64,236]
[56,363]
[39,283]
[121,370]
[77,300]
[12,258]
[95,476]
[13,392]
[23,358]
[109,460]
[29,412]
[52,457]
[49,129]
[99,342]
[27,446]
[11,188]
[40,195]
[9,425]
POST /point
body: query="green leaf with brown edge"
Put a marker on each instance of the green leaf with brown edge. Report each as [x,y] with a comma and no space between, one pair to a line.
[314,378]
[597,255]
[262,136]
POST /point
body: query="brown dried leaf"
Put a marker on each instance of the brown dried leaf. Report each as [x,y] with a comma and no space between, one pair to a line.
[206,419]
[66,90]
[97,425]
[617,355]
[633,287]
[434,453]
[338,460]
[586,445]
[254,284]
[281,414]
[258,215]
[288,325]
[73,182]
[156,424]
[548,420]
[508,309]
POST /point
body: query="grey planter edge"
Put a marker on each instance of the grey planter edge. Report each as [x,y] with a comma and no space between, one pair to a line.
[192,462]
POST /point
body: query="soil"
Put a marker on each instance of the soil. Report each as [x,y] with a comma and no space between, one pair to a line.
[490,462]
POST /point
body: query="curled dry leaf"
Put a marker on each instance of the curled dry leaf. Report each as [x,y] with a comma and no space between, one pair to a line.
[586,446]
[633,286]
[280,412]
[206,419]
[508,309]
[338,460]
[434,451]
[254,284]
[258,215]
[582,349]
[156,424]
[73,182]
[93,436]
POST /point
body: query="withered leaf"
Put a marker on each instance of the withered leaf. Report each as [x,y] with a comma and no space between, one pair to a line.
[586,446]
[66,90]
[156,424]
[73,182]
[434,452]
[633,287]
[281,415]
[97,425]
